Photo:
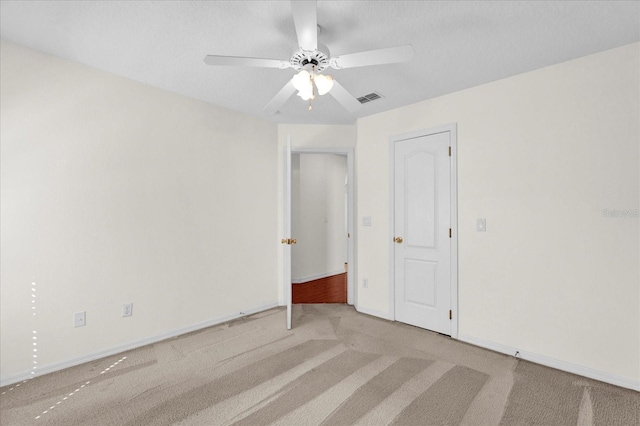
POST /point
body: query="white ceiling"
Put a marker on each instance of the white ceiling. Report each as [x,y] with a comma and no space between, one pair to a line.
[458,44]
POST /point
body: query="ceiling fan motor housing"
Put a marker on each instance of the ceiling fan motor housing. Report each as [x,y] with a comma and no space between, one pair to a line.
[304,59]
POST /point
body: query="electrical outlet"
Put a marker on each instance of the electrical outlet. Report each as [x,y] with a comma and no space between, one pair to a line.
[80,319]
[365,282]
[127,309]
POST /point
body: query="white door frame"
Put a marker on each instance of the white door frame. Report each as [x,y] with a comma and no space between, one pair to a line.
[286,278]
[349,153]
[452,128]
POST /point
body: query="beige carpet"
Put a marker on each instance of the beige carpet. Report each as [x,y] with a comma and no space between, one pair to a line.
[337,367]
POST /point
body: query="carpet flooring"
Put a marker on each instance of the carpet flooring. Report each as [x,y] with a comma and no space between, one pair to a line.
[336,367]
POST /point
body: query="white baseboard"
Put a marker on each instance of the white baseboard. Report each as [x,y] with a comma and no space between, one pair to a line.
[314,277]
[373,312]
[591,373]
[9,380]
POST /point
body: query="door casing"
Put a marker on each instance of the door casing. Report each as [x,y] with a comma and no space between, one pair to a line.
[452,129]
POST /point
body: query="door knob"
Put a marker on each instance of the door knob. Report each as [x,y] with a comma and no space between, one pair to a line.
[294,241]
[398,240]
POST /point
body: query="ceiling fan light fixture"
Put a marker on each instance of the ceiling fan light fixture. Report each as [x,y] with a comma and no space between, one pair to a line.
[324,83]
[306,95]
[302,81]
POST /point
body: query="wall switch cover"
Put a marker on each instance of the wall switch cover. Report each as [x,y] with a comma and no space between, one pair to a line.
[481,225]
[80,319]
[366,220]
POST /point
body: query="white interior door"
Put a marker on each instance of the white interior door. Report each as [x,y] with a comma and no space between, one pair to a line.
[422,216]
[286,241]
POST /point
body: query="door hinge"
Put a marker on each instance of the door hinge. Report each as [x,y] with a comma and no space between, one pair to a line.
[450,314]
[449,151]
[449,232]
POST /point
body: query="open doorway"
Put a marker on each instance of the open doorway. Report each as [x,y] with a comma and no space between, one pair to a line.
[319,214]
[321,206]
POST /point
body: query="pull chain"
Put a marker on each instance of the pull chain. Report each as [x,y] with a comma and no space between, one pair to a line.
[313,96]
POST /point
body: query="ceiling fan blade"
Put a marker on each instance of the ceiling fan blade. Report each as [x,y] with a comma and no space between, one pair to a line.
[246,62]
[306,22]
[389,55]
[280,98]
[346,100]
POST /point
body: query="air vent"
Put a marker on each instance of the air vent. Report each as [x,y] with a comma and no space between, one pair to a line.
[370,97]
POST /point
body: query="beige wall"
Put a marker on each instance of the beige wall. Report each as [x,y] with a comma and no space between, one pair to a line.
[540,155]
[115,192]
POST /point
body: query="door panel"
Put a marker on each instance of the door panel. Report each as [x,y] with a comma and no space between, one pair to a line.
[420,282]
[419,199]
[422,212]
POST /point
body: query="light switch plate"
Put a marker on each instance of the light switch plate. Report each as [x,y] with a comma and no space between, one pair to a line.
[80,319]
[481,225]
[366,220]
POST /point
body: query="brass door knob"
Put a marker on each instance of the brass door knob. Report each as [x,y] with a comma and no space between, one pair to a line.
[398,240]
[294,241]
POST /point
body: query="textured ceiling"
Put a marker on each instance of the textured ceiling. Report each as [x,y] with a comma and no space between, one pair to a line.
[458,44]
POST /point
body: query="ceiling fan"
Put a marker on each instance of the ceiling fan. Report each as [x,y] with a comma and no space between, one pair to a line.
[311,59]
